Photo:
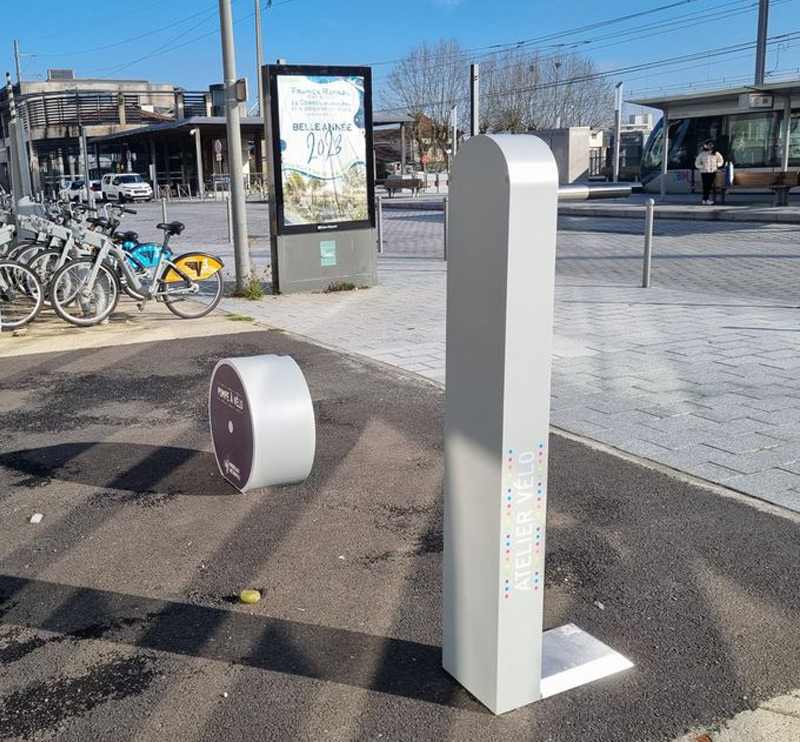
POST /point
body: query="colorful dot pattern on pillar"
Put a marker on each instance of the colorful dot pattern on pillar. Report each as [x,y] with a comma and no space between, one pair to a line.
[508,524]
[541,481]
[523,513]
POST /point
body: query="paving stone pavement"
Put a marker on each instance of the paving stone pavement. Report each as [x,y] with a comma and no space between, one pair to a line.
[699,373]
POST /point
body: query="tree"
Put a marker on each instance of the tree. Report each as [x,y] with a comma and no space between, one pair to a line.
[524,91]
[521,90]
[427,83]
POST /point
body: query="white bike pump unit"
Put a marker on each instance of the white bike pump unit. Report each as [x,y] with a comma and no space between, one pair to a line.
[262,421]
[500,290]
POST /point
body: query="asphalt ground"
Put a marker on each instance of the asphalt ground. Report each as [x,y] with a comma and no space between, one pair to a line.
[118,616]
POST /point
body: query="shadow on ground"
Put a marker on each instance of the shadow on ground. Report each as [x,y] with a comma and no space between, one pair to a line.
[136,468]
[405,668]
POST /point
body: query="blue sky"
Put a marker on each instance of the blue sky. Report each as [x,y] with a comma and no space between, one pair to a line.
[177,40]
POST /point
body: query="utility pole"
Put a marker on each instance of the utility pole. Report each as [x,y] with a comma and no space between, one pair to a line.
[475,100]
[18,183]
[198,150]
[262,106]
[234,135]
[761,45]
[454,122]
[262,103]
[86,170]
[16,61]
[24,126]
[617,129]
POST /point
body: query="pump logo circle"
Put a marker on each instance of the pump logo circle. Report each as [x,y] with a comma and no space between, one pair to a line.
[231,426]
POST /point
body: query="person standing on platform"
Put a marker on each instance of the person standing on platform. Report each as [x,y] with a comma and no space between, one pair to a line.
[708,162]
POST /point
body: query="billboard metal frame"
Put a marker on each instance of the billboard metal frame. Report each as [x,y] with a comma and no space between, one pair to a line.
[273,73]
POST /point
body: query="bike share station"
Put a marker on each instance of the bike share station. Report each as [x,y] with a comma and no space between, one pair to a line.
[503,211]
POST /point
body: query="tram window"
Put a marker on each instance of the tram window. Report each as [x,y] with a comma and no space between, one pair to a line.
[752,139]
[794,142]
[678,154]
[652,150]
[701,129]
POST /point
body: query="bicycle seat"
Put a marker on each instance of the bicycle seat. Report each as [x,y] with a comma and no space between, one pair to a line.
[171,227]
[98,221]
[129,236]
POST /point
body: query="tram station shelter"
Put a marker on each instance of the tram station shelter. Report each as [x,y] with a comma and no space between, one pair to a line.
[167,153]
[757,128]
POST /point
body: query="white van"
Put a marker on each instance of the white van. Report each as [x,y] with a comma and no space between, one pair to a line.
[125,187]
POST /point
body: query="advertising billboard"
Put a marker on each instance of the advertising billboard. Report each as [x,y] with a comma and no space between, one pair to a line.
[321,122]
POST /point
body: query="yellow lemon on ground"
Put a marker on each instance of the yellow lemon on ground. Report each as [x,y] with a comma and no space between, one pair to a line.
[249,596]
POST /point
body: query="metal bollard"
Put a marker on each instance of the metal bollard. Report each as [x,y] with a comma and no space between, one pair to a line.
[446,227]
[230,218]
[379,221]
[163,209]
[648,241]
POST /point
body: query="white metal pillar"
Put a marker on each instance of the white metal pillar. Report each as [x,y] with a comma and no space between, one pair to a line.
[787,132]
[402,148]
[503,209]
[664,154]
[617,129]
[475,100]
[198,151]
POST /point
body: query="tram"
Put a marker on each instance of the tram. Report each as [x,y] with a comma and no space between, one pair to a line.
[749,126]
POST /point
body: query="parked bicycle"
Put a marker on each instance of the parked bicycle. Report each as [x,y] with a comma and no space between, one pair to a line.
[21,295]
[85,291]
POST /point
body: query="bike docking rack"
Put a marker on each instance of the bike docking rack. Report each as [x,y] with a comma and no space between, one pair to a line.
[500,292]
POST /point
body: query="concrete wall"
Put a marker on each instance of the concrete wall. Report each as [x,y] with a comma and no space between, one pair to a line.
[570,147]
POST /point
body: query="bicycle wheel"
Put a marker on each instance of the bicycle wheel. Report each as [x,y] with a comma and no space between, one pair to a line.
[21,295]
[45,264]
[78,302]
[23,252]
[196,297]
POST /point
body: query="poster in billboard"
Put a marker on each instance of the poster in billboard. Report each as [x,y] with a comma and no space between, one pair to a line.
[322,147]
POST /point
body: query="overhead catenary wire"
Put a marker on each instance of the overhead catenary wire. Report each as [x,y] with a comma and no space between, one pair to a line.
[171,26]
[162,50]
[660,28]
[509,45]
[206,15]
[719,51]
[104,21]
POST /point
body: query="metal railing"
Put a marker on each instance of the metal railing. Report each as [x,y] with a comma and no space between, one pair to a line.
[103,107]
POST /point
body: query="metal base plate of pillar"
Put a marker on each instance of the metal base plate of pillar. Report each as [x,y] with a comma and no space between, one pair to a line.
[571,657]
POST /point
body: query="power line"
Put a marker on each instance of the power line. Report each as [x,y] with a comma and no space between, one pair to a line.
[667,26]
[720,51]
[166,48]
[169,46]
[509,45]
[152,32]
[105,20]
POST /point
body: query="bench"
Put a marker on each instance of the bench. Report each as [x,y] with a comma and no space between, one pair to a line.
[779,183]
[415,185]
